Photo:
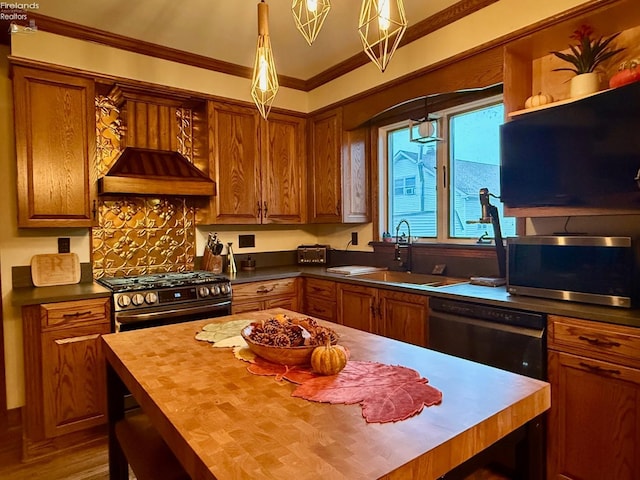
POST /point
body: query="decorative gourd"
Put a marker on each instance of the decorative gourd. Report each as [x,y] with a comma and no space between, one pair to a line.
[537,100]
[628,72]
[329,359]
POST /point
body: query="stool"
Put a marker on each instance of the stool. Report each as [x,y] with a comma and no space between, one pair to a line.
[147,453]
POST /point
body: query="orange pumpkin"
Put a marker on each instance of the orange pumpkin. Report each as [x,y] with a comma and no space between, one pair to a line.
[329,359]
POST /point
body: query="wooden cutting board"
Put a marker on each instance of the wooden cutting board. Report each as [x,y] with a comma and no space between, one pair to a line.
[50,269]
[353,269]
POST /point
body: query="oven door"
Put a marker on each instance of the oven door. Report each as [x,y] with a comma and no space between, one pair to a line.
[154,317]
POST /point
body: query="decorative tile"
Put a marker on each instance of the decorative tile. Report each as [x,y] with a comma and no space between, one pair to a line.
[139,235]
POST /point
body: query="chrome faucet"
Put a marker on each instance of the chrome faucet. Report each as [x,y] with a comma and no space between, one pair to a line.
[398,258]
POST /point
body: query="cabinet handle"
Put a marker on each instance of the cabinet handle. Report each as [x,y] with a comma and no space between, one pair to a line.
[94,211]
[77,314]
[599,370]
[62,341]
[597,341]
[265,289]
[259,210]
[265,210]
[338,209]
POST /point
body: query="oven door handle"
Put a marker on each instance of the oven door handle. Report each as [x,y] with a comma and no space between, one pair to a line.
[173,313]
[447,317]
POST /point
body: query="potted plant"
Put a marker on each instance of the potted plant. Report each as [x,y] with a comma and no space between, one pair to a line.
[584,58]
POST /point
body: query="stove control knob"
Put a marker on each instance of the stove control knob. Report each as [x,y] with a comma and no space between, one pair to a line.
[124,301]
[151,298]
[226,288]
[215,290]
[137,299]
[203,291]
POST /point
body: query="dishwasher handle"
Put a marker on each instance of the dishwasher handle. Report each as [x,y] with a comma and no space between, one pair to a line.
[435,316]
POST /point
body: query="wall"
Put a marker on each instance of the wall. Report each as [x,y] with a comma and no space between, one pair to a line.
[17,246]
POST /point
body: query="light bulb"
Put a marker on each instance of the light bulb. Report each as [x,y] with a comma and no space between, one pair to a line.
[312,5]
[384,13]
[263,72]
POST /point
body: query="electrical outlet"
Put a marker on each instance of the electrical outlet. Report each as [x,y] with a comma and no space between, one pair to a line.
[245,241]
[64,245]
[354,238]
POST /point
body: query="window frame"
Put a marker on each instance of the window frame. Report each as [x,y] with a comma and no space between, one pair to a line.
[443,232]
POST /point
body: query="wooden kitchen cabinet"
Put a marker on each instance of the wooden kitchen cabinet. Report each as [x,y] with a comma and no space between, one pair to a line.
[594,421]
[397,315]
[249,297]
[530,68]
[319,298]
[64,373]
[338,182]
[258,167]
[55,131]
[403,316]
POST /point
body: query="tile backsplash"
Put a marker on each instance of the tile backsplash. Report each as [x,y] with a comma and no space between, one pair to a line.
[139,235]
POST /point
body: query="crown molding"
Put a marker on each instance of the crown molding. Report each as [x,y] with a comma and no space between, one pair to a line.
[73,30]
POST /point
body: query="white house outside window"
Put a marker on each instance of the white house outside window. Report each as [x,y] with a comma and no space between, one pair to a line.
[435,185]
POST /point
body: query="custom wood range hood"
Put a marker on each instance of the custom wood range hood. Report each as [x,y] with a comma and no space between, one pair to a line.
[163,143]
[145,171]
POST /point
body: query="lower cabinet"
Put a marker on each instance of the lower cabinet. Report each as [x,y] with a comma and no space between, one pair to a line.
[594,421]
[397,315]
[249,297]
[65,384]
[319,298]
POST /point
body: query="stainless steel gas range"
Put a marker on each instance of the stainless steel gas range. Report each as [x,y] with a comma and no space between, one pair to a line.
[163,298]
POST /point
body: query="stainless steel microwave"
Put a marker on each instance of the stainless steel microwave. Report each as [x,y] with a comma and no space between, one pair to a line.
[589,269]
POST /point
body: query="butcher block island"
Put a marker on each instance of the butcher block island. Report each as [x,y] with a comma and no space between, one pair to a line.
[223,422]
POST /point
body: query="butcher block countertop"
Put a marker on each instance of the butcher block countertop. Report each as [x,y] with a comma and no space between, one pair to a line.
[223,422]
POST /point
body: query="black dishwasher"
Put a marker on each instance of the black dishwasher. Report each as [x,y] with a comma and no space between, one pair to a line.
[504,338]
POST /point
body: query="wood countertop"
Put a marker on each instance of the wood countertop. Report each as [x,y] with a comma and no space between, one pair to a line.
[223,422]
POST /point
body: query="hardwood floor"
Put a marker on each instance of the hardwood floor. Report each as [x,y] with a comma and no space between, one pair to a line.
[83,463]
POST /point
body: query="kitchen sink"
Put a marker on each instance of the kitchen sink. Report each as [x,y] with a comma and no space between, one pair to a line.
[411,278]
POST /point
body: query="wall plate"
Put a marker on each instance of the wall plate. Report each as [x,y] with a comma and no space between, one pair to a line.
[439,269]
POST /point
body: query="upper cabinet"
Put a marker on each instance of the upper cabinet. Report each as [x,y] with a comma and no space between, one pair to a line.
[257,165]
[338,185]
[55,146]
[530,68]
[283,168]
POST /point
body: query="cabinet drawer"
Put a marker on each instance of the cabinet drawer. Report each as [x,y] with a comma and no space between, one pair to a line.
[321,308]
[73,313]
[320,288]
[604,341]
[259,290]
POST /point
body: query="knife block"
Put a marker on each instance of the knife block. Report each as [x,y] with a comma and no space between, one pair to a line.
[211,262]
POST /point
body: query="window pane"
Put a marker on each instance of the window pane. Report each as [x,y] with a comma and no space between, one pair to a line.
[412,179]
[474,164]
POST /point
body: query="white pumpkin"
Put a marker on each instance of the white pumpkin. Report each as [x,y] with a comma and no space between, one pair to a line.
[537,100]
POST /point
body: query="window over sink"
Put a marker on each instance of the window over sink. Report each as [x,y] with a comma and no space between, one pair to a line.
[435,186]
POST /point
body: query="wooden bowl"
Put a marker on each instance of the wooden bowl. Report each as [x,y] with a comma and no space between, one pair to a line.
[280,355]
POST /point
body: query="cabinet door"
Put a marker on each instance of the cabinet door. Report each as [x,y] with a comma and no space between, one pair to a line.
[403,316]
[234,164]
[325,173]
[74,382]
[594,422]
[357,306]
[355,176]
[55,146]
[283,166]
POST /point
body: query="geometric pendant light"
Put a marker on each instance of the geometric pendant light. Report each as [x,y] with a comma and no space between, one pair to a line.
[382,25]
[264,83]
[309,16]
